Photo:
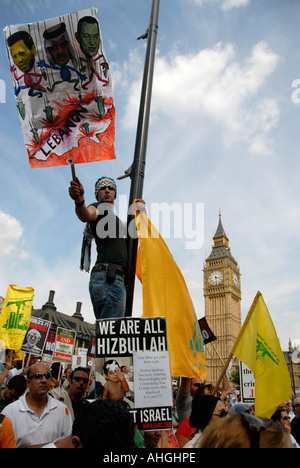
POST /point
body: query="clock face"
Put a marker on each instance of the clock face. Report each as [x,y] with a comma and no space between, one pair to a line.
[235,279]
[216,277]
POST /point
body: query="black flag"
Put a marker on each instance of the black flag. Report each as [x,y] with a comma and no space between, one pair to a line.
[206,332]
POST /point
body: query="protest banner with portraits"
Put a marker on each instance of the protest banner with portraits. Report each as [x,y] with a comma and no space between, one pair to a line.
[63,89]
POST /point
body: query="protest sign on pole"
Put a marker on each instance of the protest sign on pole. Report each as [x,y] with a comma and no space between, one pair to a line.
[15,316]
[132,365]
[152,383]
[63,89]
[64,345]
[36,336]
[247,384]
[80,359]
[91,352]
[50,344]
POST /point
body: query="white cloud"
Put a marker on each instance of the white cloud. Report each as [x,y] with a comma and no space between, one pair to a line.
[225,4]
[229,4]
[11,233]
[213,83]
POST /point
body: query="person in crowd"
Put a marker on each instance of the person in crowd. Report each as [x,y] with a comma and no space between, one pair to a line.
[106,286]
[18,366]
[74,396]
[55,370]
[185,394]
[6,365]
[289,409]
[152,439]
[281,417]
[244,431]
[295,423]
[53,384]
[37,418]
[13,390]
[238,408]
[104,425]
[7,435]
[205,409]
[175,423]
[29,360]
[67,378]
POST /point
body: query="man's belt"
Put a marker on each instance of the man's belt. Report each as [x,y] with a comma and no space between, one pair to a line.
[104,267]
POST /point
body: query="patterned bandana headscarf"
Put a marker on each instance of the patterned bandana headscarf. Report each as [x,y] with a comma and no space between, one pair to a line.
[104,182]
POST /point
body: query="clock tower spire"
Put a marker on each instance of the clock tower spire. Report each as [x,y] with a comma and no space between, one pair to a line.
[222,294]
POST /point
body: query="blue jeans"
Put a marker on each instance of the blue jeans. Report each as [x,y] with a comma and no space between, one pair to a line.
[108,299]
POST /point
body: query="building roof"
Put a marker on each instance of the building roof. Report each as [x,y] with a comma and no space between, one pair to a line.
[58,319]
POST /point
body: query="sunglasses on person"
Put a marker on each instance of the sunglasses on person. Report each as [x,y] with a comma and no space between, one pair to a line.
[254,426]
[40,375]
[79,379]
[109,187]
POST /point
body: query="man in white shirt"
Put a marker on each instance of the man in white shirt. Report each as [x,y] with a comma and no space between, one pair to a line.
[38,418]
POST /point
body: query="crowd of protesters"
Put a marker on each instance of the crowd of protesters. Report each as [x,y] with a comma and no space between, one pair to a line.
[222,421]
[40,408]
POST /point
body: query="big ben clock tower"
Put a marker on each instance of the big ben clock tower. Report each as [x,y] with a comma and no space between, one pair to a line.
[222,294]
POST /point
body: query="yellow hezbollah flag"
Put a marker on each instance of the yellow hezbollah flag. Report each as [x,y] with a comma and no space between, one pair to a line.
[258,347]
[165,294]
[15,316]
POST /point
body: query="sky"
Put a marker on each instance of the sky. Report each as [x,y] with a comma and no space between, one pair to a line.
[223,137]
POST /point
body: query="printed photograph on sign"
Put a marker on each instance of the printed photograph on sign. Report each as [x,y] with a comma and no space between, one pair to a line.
[115,380]
[36,336]
[132,366]
[63,89]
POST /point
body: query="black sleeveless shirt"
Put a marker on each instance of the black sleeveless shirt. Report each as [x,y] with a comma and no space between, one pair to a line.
[110,236]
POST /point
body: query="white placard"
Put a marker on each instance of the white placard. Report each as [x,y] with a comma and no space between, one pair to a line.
[152,379]
[79,360]
[247,384]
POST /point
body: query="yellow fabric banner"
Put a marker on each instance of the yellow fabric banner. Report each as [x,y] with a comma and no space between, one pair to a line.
[258,347]
[15,316]
[165,294]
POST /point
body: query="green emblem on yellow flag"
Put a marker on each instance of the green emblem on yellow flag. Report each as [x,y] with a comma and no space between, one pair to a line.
[15,316]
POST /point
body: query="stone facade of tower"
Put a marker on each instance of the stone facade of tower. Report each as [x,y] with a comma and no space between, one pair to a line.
[222,293]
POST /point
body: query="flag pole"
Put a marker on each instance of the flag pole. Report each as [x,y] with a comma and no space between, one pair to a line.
[222,374]
[138,166]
